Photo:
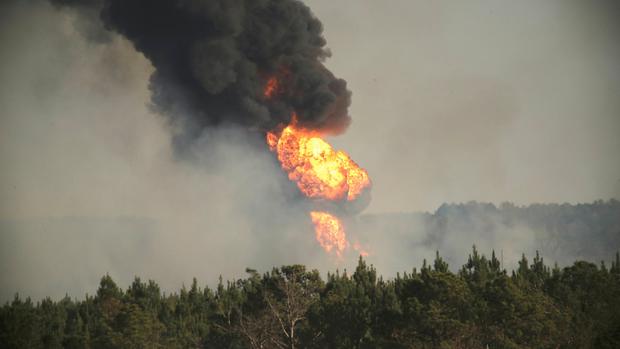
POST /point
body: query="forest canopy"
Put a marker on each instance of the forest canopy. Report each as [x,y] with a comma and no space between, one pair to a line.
[481,305]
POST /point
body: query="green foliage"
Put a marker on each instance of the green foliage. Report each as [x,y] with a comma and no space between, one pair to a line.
[289,307]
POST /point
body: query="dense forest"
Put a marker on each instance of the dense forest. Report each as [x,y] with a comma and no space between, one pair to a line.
[479,306]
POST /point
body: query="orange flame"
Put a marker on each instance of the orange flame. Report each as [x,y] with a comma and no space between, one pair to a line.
[329,232]
[319,171]
[271,88]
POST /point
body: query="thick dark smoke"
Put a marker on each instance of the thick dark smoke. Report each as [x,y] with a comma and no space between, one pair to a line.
[212,60]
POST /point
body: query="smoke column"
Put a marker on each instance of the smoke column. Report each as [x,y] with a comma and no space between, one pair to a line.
[255,64]
[212,60]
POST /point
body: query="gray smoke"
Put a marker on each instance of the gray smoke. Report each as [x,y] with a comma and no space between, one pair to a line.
[475,101]
[92,184]
[212,61]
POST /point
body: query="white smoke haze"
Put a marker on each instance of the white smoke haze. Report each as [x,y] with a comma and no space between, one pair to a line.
[479,100]
[90,183]
[400,242]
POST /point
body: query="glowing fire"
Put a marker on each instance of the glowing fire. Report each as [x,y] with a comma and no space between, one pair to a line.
[319,171]
[329,232]
[271,87]
[360,249]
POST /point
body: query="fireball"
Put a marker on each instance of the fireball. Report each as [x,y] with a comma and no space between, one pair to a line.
[320,173]
[329,232]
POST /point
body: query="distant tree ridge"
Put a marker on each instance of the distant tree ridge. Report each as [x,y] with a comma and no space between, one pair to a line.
[560,232]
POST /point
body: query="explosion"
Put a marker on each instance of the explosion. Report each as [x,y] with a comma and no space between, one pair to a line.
[320,172]
[329,232]
[253,64]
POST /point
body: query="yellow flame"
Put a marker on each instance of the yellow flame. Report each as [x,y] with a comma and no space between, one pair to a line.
[312,163]
[329,232]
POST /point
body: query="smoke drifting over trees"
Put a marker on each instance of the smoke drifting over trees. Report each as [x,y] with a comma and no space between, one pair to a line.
[560,233]
[212,60]
[88,174]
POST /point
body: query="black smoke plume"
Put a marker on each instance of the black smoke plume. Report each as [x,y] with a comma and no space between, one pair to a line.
[213,59]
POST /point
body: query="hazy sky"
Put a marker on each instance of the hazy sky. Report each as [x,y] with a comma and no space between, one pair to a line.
[452,101]
[480,100]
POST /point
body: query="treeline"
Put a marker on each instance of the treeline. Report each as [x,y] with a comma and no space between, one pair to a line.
[561,232]
[588,231]
[480,306]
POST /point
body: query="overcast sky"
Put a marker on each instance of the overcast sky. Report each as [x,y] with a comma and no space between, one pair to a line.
[480,100]
[452,101]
